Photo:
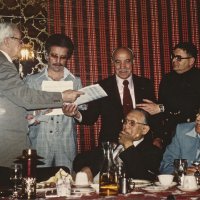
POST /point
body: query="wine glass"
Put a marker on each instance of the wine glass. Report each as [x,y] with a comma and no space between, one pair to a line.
[15,178]
[196,163]
[180,168]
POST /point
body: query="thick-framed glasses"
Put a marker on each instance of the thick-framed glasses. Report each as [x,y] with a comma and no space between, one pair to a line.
[133,122]
[178,57]
[15,38]
[55,56]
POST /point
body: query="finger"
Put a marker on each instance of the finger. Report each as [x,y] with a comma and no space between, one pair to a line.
[147,101]
[80,93]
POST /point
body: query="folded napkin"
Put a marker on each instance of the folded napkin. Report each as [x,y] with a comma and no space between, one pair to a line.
[61,174]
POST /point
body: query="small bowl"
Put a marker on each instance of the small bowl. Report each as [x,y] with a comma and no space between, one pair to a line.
[165,179]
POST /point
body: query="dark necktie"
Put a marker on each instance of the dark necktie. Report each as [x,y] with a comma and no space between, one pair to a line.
[127,100]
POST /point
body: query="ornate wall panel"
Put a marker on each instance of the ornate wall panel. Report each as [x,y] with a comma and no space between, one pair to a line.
[31,16]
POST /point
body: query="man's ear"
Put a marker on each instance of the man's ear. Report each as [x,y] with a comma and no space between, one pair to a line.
[145,129]
[192,61]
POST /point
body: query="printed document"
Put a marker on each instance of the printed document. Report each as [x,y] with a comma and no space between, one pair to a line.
[91,92]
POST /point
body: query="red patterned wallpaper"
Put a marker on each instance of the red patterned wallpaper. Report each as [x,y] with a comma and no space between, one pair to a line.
[150,27]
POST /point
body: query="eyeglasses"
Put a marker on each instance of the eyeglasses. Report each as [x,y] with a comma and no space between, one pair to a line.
[55,56]
[133,122]
[15,38]
[178,58]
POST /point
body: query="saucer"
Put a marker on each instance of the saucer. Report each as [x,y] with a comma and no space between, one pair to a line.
[188,189]
[139,183]
[82,190]
[171,185]
[81,186]
[155,188]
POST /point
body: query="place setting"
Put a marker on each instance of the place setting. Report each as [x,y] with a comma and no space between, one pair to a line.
[165,182]
[81,185]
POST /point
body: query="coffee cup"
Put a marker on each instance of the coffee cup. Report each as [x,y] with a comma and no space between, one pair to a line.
[165,179]
[189,182]
[81,179]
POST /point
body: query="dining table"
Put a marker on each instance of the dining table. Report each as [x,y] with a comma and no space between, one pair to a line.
[140,194]
[173,192]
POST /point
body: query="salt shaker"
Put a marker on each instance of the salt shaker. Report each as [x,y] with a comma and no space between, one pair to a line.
[123,184]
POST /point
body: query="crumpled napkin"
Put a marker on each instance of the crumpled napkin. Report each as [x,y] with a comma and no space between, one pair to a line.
[61,174]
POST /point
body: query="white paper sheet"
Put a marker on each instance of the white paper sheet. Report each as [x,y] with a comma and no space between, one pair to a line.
[56,86]
[92,92]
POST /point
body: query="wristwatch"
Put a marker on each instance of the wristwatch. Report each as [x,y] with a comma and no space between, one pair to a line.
[162,108]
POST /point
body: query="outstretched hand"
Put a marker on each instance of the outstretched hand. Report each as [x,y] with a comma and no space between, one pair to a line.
[149,106]
[69,96]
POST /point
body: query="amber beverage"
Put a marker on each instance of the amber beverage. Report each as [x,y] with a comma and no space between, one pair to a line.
[108,185]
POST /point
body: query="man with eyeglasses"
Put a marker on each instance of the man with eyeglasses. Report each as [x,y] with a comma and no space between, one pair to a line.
[141,159]
[16,97]
[54,136]
[110,108]
[179,93]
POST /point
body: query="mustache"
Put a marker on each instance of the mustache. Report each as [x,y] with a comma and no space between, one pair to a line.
[58,64]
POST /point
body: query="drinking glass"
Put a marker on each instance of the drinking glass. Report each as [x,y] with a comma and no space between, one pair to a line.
[15,178]
[197,173]
[180,168]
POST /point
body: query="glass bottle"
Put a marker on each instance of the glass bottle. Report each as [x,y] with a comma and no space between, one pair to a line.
[108,185]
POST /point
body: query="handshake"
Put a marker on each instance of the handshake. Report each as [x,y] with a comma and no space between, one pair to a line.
[69,96]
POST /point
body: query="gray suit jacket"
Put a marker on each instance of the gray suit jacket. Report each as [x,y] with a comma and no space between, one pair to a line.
[15,98]
[184,145]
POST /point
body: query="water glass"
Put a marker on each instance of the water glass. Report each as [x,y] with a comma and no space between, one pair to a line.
[180,168]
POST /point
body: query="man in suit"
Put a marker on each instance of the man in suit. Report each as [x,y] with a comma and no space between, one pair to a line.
[185,145]
[54,136]
[16,97]
[179,94]
[141,159]
[110,108]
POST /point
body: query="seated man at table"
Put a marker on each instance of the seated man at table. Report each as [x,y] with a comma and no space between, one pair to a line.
[185,145]
[140,157]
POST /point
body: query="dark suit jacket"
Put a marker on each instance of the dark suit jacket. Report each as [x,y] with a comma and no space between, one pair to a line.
[180,95]
[110,108]
[138,161]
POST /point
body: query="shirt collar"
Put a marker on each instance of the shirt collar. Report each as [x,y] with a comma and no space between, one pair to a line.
[7,56]
[135,143]
[66,73]
[192,133]
[120,80]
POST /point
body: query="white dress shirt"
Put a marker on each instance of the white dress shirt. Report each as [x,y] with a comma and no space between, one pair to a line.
[130,86]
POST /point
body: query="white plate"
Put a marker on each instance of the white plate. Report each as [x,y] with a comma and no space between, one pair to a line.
[45,189]
[141,183]
[154,188]
[171,185]
[82,190]
[81,186]
[187,189]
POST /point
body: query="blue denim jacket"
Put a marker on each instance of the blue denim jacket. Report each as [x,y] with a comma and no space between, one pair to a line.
[184,145]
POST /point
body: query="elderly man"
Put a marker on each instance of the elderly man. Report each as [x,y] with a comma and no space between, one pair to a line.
[179,94]
[112,108]
[15,97]
[140,157]
[185,145]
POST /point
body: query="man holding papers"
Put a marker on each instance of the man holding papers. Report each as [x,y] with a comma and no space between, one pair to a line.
[52,133]
[16,97]
[110,108]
